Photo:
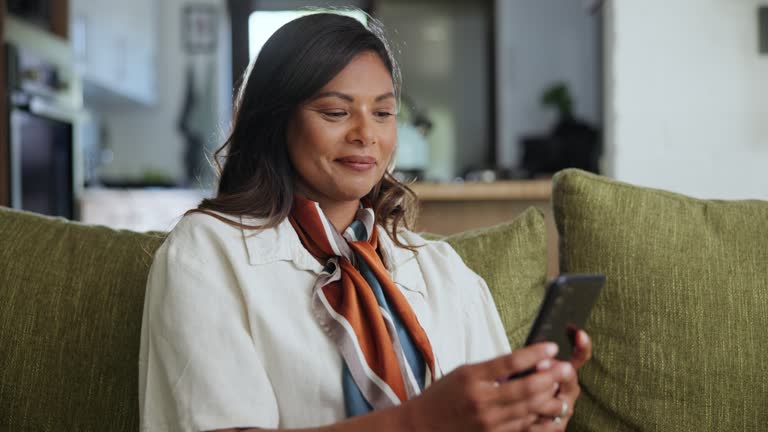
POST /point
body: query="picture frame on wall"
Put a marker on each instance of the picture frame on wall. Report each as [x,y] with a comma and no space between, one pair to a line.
[199,28]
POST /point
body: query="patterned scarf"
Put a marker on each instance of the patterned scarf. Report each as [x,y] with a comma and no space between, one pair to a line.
[387,355]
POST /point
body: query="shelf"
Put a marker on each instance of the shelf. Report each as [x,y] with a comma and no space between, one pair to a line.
[506,190]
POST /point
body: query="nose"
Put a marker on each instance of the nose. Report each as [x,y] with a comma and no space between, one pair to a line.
[362,131]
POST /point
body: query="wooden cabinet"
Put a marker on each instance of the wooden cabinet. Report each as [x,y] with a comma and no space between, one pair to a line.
[454,207]
[114,44]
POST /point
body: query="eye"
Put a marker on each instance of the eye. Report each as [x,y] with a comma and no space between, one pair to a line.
[334,114]
[383,114]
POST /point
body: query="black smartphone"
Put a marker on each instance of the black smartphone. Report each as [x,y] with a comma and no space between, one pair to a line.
[567,302]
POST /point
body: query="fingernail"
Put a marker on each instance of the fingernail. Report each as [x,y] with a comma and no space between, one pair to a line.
[543,365]
[567,370]
[551,349]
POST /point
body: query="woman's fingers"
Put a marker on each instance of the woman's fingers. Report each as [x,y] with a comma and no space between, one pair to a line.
[533,401]
[532,394]
[561,405]
[527,388]
[500,368]
[499,403]
[516,413]
[519,424]
[546,426]
[583,349]
[553,407]
[482,397]
[514,406]
[569,384]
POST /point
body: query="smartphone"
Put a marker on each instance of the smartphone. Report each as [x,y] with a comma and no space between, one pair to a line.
[567,302]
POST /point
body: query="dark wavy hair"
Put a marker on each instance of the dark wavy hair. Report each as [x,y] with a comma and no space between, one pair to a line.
[256,178]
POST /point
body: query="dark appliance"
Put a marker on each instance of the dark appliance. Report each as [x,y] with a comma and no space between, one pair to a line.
[41,136]
[37,12]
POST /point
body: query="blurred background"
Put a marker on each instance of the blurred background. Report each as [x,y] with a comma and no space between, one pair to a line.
[111,109]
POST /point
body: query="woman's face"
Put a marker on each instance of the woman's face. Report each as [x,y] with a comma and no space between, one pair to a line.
[341,140]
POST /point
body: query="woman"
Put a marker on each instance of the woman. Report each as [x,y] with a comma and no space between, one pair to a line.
[296,298]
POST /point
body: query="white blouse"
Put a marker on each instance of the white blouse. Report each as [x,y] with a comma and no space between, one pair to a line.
[229,340]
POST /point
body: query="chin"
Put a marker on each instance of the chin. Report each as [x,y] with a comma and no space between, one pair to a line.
[351,191]
[356,194]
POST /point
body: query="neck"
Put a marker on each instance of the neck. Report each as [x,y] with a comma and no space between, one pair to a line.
[340,214]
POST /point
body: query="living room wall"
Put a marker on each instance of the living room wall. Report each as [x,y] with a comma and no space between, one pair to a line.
[539,43]
[687,97]
[147,138]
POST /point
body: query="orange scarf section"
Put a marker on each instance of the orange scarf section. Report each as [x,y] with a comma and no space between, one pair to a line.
[352,297]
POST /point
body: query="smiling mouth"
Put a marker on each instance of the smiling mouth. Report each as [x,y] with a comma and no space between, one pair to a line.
[357,163]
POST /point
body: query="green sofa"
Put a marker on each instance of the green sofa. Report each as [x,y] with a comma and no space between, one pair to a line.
[678,331]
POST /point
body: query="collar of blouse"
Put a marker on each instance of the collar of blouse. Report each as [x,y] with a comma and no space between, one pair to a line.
[283,244]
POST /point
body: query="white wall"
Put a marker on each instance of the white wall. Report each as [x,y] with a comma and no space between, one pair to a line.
[148,138]
[540,42]
[443,56]
[687,97]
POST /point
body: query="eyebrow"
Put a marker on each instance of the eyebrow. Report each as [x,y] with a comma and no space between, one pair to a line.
[349,98]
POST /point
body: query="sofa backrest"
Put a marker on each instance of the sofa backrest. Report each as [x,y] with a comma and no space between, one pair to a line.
[71,298]
[679,328]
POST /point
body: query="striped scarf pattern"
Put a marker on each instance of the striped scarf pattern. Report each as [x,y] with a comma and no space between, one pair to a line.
[387,355]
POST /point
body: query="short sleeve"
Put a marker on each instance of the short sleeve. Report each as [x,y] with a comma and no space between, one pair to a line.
[485,335]
[198,366]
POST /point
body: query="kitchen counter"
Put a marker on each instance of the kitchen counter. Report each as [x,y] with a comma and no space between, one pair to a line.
[506,190]
[448,208]
[148,209]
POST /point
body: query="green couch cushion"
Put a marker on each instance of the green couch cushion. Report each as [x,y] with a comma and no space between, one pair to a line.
[71,299]
[679,329]
[512,258]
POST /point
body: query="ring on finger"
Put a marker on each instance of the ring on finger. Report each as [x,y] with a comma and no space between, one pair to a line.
[563,412]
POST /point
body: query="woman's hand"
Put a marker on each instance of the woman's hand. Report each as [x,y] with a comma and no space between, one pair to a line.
[479,397]
[568,392]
